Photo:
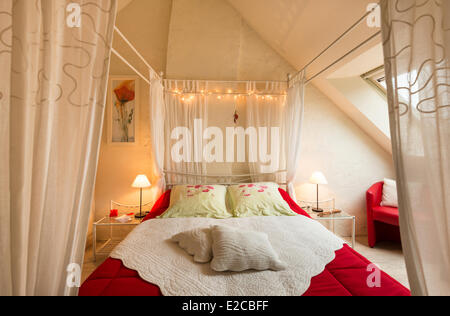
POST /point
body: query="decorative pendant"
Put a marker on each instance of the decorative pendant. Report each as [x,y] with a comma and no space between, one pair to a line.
[236,117]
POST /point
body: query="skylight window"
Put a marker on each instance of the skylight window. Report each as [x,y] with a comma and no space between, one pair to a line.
[377,78]
[382,82]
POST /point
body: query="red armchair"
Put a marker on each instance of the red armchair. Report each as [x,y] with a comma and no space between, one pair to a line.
[382,221]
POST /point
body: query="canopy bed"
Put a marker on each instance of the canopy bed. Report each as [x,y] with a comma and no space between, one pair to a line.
[268,106]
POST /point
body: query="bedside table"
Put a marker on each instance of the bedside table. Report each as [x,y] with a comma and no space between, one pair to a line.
[336,217]
[111,243]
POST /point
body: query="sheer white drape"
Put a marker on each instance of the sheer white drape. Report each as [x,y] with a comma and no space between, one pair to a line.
[416,37]
[157,120]
[266,151]
[186,117]
[268,125]
[285,113]
[293,122]
[52,97]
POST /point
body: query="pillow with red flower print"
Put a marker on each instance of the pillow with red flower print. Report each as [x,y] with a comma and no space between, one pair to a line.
[197,201]
[258,199]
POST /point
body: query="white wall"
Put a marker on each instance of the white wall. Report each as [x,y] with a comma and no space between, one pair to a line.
[349,158]
[208,39]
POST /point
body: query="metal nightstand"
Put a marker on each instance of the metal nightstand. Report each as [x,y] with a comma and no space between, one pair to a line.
[111,243]
[337,217]
[329,205]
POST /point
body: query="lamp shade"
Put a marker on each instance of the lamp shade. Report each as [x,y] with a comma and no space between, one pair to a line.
[141,181]
[318,178]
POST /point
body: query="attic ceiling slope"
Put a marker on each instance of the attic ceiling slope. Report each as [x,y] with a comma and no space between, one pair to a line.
[300,29]
[209,39]
[145,23]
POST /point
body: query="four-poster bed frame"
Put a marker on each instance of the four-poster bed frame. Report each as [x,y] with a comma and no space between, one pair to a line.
[231,179]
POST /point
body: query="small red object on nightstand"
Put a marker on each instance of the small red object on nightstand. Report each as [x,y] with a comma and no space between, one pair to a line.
[114,213]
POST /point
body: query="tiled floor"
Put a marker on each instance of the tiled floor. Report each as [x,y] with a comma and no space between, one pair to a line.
[388,256]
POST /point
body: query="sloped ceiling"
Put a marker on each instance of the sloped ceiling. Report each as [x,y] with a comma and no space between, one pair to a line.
[300,29]
[364,63]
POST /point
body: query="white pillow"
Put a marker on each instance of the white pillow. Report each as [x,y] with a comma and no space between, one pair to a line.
[238,250]
[197,243]
[389,193]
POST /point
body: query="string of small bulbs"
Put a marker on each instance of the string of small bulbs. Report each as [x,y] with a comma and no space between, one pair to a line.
[186,96]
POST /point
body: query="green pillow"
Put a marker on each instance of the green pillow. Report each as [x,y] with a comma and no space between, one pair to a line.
[258,199]
[197,201]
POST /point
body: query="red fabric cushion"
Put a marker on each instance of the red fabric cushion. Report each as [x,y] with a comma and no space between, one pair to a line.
[346,275]
[160,206]
[294,206]
[385,214]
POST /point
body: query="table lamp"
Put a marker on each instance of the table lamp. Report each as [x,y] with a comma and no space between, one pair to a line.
[141,182]
[318,178]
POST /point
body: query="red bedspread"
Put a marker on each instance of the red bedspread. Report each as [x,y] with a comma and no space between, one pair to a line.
[346,275]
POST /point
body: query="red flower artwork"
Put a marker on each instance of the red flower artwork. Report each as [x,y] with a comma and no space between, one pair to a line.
[125,93]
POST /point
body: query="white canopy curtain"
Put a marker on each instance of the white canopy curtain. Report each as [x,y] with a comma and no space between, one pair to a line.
[265,113]
[293,122]
[258,105]
[157,122]
[416,36]
[286,113]
[186,115]
[52,113]
[263,106]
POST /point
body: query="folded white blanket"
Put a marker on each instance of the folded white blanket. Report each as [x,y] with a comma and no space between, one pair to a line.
[303,244]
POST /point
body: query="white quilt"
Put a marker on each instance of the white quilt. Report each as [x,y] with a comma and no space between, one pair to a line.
[303,244]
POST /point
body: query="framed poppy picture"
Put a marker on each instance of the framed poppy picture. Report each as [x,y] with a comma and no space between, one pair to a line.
[123,110]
